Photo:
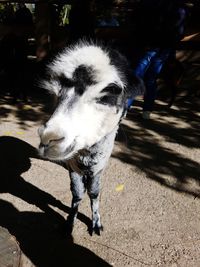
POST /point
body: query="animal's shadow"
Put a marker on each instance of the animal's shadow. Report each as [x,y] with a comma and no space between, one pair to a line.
[41,243]
[15,157]
[40,235]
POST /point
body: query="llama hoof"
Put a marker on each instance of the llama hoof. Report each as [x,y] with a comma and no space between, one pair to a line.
[96,229]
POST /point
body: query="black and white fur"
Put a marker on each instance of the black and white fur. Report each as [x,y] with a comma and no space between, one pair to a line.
[91,84]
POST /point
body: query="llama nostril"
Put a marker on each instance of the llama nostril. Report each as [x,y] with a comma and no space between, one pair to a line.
[43,146]
[55,141]
[52,142]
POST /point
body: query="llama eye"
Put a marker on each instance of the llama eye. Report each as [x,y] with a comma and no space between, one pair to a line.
[112,92]
[112,89]
[107,100]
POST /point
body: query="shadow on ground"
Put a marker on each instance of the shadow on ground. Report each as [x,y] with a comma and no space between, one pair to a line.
[37,109]
[40,241]
[40,234]
[163,147]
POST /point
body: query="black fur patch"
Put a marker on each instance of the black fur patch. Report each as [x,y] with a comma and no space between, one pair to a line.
[65,82]
[108,100]
[134,85]
[83,77]
[112,89]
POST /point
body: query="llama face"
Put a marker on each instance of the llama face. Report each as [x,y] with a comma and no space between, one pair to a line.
[90,98]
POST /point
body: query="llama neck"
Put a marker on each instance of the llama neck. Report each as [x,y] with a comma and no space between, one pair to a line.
[94,158]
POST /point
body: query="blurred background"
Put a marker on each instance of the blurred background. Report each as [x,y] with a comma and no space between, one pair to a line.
[32,31]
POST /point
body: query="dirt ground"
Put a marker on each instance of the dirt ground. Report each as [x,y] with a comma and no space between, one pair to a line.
[150,197]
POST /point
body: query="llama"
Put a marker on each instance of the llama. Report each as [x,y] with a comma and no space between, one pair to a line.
[91,84]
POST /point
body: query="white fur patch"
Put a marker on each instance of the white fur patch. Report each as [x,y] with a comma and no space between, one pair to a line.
[88,55]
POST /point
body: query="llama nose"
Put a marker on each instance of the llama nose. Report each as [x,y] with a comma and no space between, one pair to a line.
[50,137]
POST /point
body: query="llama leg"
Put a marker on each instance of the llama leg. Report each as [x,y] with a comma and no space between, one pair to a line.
[78,190]
[93,192]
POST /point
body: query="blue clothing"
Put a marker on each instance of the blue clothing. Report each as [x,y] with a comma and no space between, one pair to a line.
[148,68]
[160,26]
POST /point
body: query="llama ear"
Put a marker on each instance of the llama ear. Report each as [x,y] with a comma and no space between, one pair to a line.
[135,86]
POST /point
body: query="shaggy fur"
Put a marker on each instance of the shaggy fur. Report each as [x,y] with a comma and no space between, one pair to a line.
[91,85]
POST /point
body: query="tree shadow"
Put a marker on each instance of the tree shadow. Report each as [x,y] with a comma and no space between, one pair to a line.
[162,164]
[37,109]
[148,141]
[175,126]
[41,243]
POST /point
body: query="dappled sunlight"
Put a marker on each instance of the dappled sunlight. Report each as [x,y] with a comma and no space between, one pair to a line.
[24,114]
[188,55]
[163,165]
[191,37]
[166,147]
[176,122]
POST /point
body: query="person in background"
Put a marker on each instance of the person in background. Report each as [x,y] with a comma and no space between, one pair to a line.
[23,15]
[160,26]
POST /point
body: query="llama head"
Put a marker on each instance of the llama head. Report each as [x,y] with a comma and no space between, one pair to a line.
[91,85]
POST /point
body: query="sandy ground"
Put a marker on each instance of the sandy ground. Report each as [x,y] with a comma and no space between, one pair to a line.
[150,197]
